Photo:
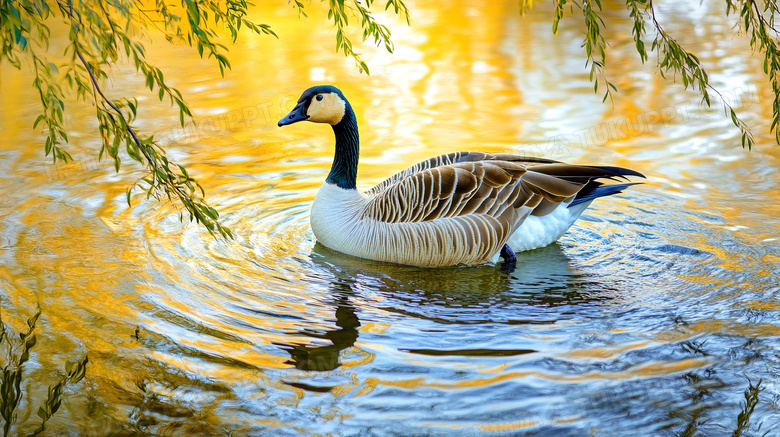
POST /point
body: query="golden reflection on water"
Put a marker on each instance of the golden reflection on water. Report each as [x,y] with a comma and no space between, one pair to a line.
[251,322]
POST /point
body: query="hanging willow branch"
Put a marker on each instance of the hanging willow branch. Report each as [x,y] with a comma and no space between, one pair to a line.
[165,178]
[105,32]
[755,20]
[676,59]
[339,12]
[764,37]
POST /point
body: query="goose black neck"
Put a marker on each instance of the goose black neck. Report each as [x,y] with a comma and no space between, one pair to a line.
[343,173]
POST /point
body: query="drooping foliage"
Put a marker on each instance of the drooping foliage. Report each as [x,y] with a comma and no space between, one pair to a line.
[102,33]
[756,20]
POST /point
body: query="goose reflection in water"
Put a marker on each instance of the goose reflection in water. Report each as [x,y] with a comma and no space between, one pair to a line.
[542,291]
[543,277]
[324,358]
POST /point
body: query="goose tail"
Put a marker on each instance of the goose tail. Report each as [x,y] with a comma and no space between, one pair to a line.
[595,189]
[593,177]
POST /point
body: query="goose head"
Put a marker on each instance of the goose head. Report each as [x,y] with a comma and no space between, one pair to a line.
[319,104]
[326,104]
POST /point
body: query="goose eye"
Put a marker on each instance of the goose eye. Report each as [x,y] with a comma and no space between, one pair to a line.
[319,97]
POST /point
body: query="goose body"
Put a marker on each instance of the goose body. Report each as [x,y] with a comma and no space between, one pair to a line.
[460,208]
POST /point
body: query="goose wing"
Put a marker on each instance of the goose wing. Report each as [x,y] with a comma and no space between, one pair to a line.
[455,158]
[490,188]
[463,183]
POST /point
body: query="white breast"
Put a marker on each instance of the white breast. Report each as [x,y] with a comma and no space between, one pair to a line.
[335,216]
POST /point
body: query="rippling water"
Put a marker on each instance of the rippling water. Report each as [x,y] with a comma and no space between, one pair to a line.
[652,316]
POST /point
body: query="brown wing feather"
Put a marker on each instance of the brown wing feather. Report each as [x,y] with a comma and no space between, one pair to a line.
[487,187]
[455,158]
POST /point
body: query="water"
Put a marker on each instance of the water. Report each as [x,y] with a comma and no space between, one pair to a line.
[652,316]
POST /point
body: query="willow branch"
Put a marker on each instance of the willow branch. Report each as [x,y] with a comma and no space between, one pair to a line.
[692,66]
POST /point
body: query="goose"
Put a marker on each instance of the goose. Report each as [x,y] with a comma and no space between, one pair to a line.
[462,208]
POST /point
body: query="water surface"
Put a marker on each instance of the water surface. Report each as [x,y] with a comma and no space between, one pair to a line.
[652,316]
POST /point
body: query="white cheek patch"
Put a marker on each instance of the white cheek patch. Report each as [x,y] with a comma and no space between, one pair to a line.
[328,110]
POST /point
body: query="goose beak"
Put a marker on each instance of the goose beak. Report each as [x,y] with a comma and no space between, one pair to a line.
[297,114]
